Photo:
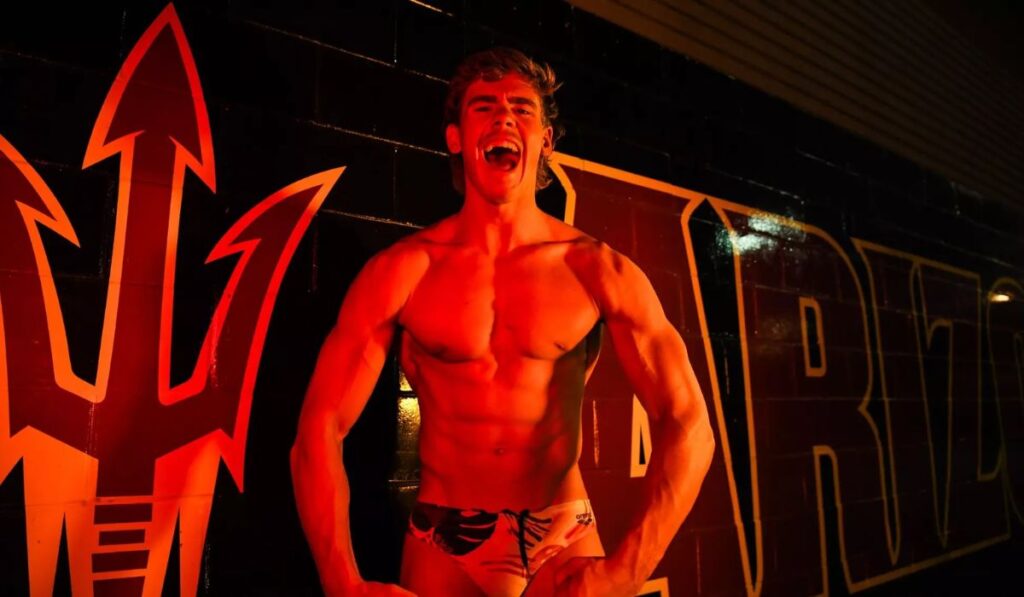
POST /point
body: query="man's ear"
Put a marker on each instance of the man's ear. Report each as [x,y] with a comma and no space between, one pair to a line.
[548,142]
[453,138]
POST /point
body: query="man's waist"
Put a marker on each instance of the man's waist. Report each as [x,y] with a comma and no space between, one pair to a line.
[493,491]
[581,504]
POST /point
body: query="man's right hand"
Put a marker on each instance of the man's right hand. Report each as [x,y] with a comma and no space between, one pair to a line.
[378,589]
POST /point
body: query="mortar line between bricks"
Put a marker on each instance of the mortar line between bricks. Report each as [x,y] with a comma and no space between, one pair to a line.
[429,7]
[340,129]
[317,42]
[50,61]
[374,219]
[328,46]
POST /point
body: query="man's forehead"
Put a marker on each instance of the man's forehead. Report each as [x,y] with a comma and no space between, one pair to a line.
[511,85]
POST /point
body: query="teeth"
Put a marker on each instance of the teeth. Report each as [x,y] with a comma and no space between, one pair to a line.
[503,144]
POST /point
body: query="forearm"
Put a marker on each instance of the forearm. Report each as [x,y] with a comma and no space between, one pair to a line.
[322,496]
[680,459]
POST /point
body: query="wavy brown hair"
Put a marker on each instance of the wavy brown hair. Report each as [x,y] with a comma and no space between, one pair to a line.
[491,65]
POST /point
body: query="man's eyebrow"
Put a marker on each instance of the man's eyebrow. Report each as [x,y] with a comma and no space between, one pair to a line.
[482,99]
[493,99]
[518,99]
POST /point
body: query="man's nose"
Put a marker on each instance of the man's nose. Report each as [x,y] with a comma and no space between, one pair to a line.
[503,115]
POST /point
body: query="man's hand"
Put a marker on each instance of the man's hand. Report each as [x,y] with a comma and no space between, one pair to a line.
[654,358]
[379,589]
[594,577]
[346,371]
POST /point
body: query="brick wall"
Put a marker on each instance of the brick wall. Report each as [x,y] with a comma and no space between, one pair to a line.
[292,90]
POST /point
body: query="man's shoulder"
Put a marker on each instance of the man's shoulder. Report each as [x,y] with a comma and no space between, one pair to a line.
[595,257]
[409,257]
[560,231]
[608,275]
[581,249]
[399,263]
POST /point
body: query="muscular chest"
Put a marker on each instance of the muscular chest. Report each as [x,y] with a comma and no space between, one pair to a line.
[470,306]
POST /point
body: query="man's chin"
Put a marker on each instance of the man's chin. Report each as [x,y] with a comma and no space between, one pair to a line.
[499,189]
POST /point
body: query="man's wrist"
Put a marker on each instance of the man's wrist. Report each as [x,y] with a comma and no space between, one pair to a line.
[345,585]
[624,570]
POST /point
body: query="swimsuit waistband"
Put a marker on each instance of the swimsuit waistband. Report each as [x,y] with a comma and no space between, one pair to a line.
[577,504]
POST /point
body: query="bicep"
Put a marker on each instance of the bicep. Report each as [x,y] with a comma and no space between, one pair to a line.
[354,352]
[652,352]
[655,360]
[346,371]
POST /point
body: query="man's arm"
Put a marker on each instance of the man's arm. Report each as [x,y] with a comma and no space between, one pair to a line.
[655,361]
[346,373]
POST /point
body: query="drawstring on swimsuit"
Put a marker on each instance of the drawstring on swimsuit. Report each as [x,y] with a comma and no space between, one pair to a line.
[522,540]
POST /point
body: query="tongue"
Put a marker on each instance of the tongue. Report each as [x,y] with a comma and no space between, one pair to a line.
[502,158]
[507,160]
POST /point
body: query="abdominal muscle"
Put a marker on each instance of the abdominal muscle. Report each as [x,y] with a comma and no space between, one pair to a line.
[498,437]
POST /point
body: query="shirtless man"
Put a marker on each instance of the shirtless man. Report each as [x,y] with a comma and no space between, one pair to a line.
[500,309]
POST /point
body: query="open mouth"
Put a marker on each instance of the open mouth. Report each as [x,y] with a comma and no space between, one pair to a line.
[502,154]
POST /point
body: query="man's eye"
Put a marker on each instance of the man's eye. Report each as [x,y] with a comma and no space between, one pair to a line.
[523,111]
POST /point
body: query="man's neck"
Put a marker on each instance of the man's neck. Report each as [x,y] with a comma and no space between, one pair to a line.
[498,228]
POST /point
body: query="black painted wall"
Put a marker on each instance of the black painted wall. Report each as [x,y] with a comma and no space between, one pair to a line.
[296,88]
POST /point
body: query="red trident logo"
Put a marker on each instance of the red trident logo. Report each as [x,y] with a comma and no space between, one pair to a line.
[119,461]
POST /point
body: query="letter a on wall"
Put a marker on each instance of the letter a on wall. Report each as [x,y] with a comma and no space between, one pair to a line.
[640,444]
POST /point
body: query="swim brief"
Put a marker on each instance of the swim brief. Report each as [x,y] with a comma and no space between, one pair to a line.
[502,551]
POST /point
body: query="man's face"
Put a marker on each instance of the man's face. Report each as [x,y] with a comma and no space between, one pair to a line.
[501,136]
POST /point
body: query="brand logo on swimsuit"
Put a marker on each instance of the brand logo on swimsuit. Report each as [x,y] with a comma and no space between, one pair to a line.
[118,462]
